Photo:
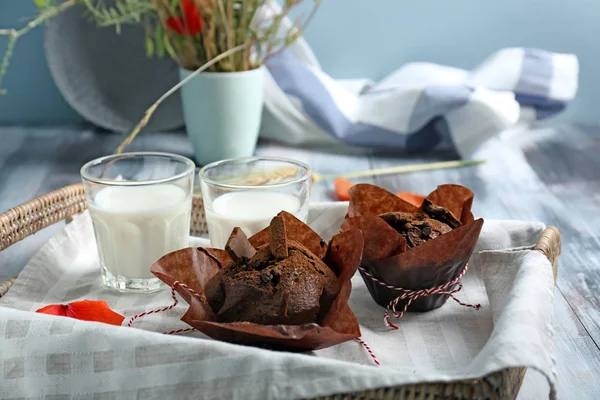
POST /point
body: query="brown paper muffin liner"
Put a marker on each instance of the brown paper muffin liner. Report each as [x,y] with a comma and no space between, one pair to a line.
[196,266]
[431,264]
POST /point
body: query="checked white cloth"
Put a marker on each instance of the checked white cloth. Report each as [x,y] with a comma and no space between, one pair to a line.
[44,356]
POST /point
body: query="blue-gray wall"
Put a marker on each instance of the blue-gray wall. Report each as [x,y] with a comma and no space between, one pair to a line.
[32,96]
[358,38]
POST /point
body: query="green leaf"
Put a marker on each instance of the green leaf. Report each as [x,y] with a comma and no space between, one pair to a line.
[160,44]
[40,3]
[149,47]
[169,47]
[121,7]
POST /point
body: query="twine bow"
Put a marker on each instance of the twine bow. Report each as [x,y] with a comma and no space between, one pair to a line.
[413,295]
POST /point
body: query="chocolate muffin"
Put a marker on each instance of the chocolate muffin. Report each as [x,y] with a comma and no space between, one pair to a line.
[410,247]
[279,283]
[417,228]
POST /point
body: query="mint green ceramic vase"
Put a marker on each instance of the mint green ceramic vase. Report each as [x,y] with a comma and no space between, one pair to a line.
[222,113]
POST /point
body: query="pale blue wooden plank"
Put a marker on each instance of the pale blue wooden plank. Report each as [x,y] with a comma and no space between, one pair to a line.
[552,175]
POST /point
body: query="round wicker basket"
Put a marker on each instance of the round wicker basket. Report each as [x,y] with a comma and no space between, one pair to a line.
[18,223]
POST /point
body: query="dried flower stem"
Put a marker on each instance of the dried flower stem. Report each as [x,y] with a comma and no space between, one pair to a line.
[162,98]
[312,13]
[231,37]
[244,23]
[274,28]
[401,169]
[228,34]
[15,34]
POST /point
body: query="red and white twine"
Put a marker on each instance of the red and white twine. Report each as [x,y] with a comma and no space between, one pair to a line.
[413,295]
[368,349]
[176,284]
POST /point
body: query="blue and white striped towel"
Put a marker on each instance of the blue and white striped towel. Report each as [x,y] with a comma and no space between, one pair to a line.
[419,107]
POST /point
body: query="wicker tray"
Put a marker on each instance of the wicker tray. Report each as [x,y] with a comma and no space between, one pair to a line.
[29,218]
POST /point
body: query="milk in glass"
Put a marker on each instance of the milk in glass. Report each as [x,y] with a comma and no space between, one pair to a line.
[137,225]
[252,211]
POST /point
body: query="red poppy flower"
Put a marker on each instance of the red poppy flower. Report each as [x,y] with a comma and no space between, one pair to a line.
[86,310]
[190,24]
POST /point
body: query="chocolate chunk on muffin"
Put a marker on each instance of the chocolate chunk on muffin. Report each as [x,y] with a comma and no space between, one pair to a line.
[416,229]
[440,213]
[279,283]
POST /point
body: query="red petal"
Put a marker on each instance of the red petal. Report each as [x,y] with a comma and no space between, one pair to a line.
[54,309]
[341,189]
[412,198]
[94,310]
[193,20]
[176,24]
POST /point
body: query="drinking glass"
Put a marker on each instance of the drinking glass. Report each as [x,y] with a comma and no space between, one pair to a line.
[248,192]
[140,204]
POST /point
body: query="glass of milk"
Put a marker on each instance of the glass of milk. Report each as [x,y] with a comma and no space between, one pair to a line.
[141,205]
[248,192]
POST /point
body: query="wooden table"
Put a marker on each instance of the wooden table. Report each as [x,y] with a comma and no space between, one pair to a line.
[546,174]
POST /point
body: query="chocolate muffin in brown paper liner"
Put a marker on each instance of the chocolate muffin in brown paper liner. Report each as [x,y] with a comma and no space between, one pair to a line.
[432,263]
[196,267]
